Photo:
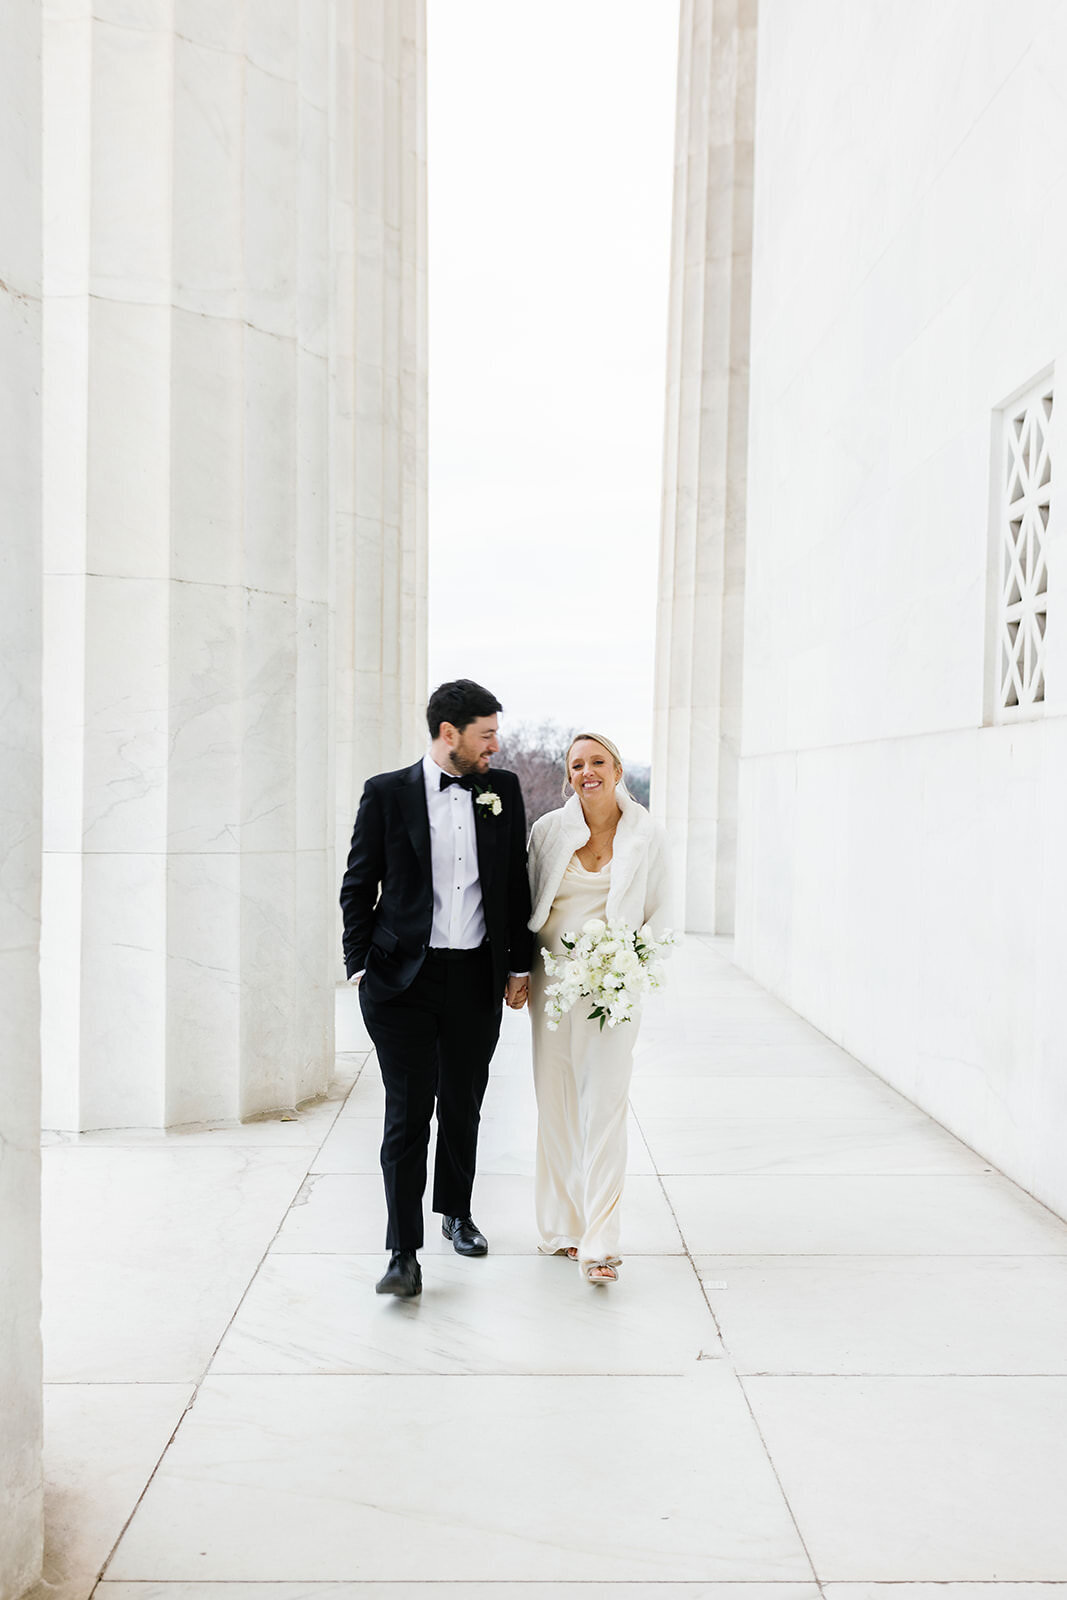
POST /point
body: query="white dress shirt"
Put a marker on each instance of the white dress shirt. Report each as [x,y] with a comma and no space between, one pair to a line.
[458,916]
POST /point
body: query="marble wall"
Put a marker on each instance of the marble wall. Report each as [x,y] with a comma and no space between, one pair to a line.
[902,865]
[702,553]
[210,394]
[379,471]
[20,812]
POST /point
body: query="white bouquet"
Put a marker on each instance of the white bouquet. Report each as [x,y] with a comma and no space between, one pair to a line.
[607,963]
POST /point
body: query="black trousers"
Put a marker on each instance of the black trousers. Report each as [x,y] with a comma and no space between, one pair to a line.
[434,1044]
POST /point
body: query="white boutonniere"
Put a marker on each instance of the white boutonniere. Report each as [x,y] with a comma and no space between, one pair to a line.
[491,802]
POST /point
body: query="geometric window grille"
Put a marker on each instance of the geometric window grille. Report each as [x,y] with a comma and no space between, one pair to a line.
[1023,593]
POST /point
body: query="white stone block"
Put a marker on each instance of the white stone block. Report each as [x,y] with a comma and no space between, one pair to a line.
[207,402]
[272,30]
[63,702]
[897,859]
[270,466]
[313,564]
[123,991]
[316,28]
[128,481]
[208,171]
[203,979]
[205,718]
[313,233]
[202,427]
[126,743]
[313,819]
[149,15]
[66,150]
[130,220]
[65,433]
[269,979]
[205,22]
[268,706]
[20,816]
[61,986]
[271,177]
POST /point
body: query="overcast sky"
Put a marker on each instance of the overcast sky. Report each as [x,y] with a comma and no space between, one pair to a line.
[551,131]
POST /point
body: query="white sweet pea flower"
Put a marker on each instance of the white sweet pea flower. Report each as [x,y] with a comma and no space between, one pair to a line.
[608,964]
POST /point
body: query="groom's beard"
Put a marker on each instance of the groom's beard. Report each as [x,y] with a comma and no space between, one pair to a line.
[463,764]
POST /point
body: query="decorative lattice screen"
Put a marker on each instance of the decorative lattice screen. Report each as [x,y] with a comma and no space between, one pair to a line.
[1022,605]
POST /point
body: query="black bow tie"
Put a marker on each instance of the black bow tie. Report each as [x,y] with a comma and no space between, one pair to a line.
[466,782]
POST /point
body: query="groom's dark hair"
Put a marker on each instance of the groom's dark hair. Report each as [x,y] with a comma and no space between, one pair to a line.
[459,702]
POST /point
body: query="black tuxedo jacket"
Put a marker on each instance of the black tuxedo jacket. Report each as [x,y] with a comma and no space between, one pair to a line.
[387,890]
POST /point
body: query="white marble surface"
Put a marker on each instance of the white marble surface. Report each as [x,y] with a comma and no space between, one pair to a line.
[741,1057]
[588,1589]
[942,1591]
[21,809]
[351,1035]
[772,1144]
[954,1478]
[846,1215]
[976,1041]
[378,468]
[344,1213]
[899,1339]
[148,1250]
[306,1124]
[701,1025]
[90,1490]
[722,1098]
[902,867]
[206,218]
[703,534]
[912,1315]
[321,1482]
[504,1146]
[498,1315]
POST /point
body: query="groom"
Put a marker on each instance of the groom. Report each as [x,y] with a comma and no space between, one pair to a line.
[436,901]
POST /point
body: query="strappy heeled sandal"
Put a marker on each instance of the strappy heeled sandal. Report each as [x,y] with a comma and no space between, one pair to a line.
[604,1272]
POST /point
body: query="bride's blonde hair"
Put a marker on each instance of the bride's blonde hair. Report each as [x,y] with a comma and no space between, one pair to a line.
[611,749]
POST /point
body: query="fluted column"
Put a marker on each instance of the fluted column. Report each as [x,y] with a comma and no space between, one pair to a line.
[379,469]
[20,808]
[188,868]
[702,552]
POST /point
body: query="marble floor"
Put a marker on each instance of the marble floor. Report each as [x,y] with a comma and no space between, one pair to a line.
[836,1357]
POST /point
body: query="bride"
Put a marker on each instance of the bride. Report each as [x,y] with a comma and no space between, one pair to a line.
[600,855]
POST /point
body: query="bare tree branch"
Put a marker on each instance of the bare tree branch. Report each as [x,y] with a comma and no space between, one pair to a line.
[535,752]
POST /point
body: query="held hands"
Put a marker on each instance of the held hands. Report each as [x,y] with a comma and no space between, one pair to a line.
[517,993]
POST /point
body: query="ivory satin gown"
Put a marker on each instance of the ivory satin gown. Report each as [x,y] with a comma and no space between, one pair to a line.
[582,1081]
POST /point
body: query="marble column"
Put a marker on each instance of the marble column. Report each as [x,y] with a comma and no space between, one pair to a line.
[702,553]
[379,462]
[20,812]
[188,905]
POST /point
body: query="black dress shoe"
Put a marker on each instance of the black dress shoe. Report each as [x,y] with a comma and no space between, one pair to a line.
[403,1276]
[466,1240]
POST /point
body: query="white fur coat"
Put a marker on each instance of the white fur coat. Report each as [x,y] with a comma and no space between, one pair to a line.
[640,866]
